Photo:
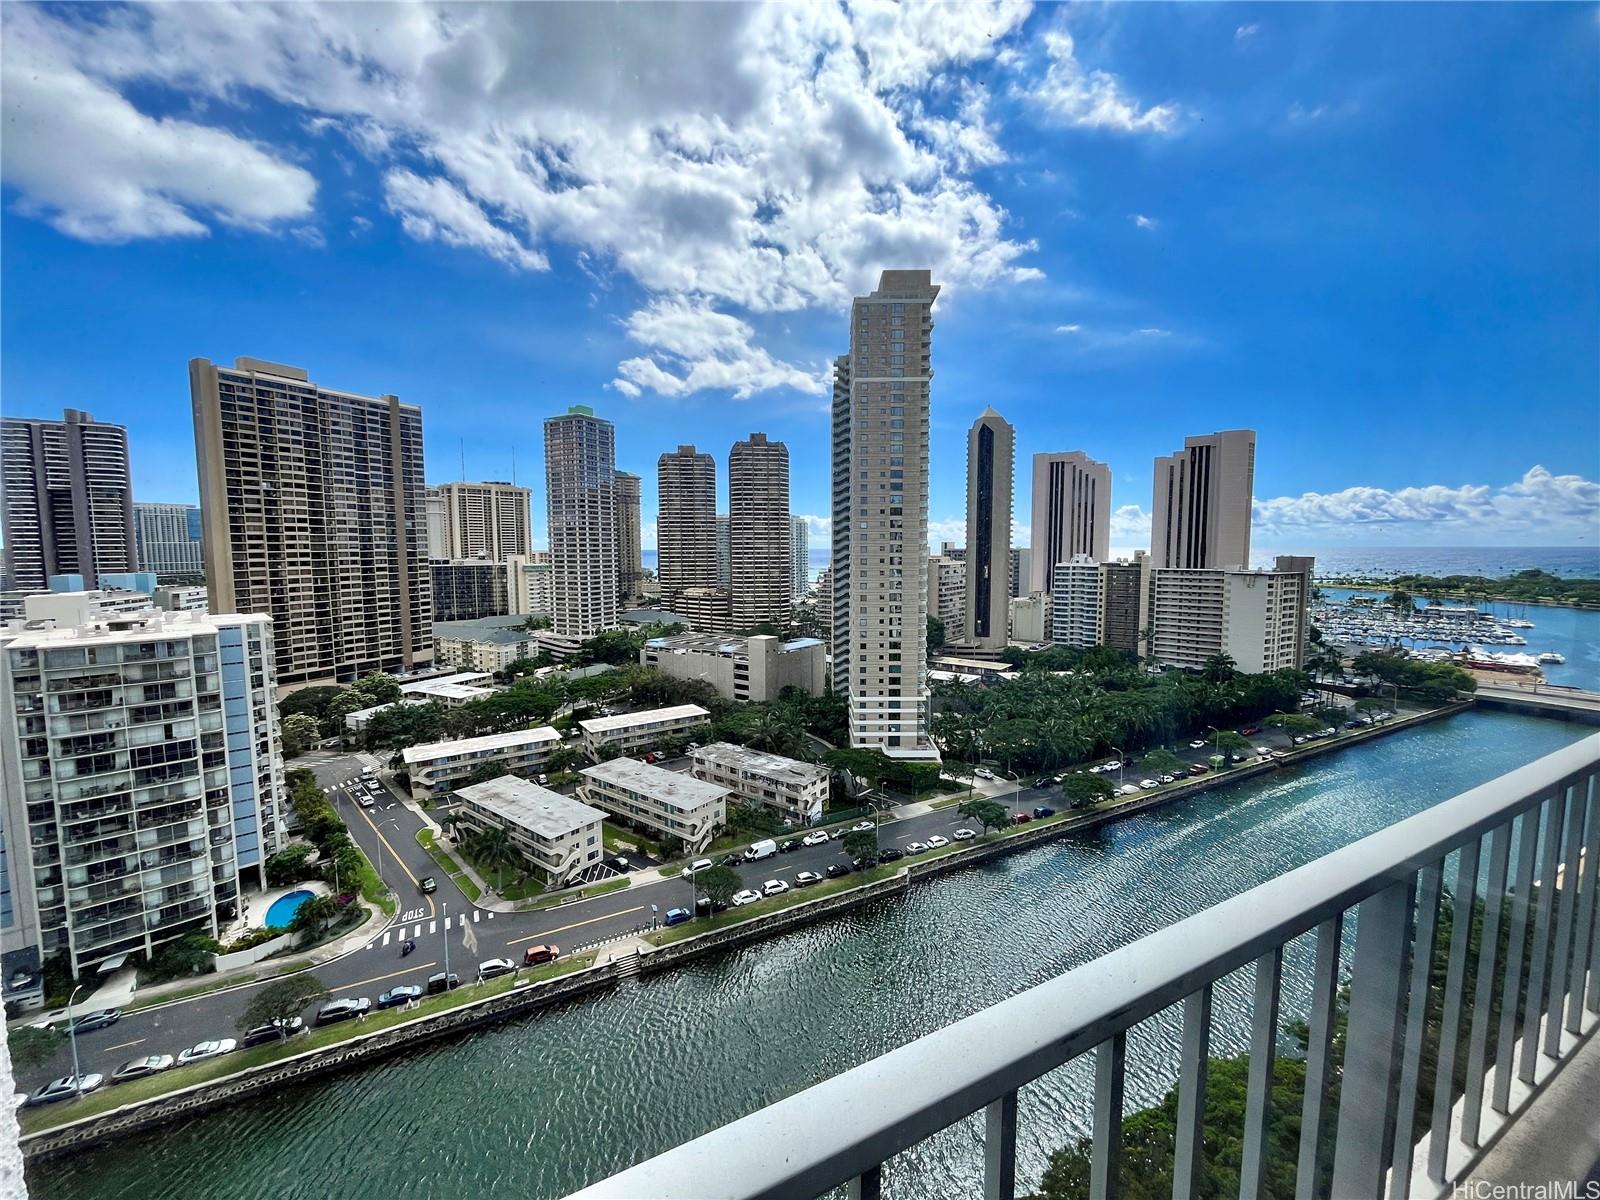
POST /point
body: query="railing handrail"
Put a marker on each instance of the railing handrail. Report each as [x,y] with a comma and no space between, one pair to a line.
[834,1131]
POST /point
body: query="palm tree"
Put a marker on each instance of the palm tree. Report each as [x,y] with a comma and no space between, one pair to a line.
[493,849]
[776,735]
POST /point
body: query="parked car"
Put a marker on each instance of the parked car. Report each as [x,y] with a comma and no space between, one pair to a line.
[774,887]
[428,885]
[1167,778]
[140,1067]
[818,838]
[838,870]
[399,997]
[618,863]
[1198,769]
[101,1018]
[731,860]
[1044,781]
[651,757]
[1128,789]
[1114,765]
[535,956]
[1148,784]
[493,968]
[807,878]
[862,826]
[1250,730]
[891,854]
[984,773]
[201,1051]
[964,835]
[916,847]
[542,779]
[272,1031]
[789,846]
[66,1088]
[698,865]
[1021,818]
[365,800]
[677,916]
[759,850]
[443,983]
[343,1009]
[1263,751]
[859,864]
[1198,744]
[740,899]
[706,904]
[937,841]
[1044,810]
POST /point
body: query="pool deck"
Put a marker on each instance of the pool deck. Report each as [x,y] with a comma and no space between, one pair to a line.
[253,914]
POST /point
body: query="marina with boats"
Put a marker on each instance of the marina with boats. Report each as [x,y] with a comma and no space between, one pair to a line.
[1473,637]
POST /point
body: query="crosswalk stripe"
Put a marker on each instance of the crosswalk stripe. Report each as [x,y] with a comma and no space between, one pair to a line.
[385,937]
[491,916]
[475,916]
[447,921]
[417,932]
[433,926]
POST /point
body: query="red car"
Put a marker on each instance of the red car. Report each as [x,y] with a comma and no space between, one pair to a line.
[1022,818]
[1250,730]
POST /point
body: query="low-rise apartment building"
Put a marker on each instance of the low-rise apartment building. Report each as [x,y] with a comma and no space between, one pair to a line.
[664,802]
[1257,618]
[438,768]
[628,732]
[742,669]
[558,836]
[1030,618]
[1075,603]
[796,791]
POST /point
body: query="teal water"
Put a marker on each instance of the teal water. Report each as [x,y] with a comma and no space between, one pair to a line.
[538,1107]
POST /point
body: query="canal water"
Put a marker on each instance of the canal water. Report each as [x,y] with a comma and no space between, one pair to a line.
[539,1107]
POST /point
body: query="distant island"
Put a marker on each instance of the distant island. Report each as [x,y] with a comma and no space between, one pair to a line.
[1524,587]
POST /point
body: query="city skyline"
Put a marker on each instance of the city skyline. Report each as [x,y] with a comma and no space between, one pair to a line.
[1103,305]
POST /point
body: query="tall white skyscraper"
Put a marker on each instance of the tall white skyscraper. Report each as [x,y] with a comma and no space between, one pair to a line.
[991,446]
[1200,511]
[168,537]
[760,564]
[881,397]
[484,520]
[1071,513]
[580,465]
[686,521]
[800,555]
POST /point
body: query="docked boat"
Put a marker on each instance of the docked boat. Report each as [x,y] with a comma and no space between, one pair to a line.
[1551,656]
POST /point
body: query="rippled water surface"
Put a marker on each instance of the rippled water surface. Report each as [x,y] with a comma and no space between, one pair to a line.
[541,1106]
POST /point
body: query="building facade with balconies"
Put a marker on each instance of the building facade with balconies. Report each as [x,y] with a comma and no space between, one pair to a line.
[663,802]
[627,732]
[792,789]
[558,836]
[439,768]
[142,779]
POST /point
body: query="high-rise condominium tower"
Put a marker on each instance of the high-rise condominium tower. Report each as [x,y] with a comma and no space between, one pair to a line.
[760,538]
[686,521]
[724,550]
[630,557]
[168,538]
[1071,513]
[68,500]
[800,555]
[580,464]
[880,499]
[314,509]
[484,520]
[838,573]
[991,445]
[1200,514]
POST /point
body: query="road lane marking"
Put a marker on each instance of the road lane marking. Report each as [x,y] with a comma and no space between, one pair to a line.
[390,975]
[576,924]
[124,1045]
[433,927]
[378,833]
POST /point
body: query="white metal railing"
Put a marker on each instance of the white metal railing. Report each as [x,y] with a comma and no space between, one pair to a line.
[1529,844]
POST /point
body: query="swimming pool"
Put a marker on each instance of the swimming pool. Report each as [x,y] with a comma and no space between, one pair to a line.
[284,907]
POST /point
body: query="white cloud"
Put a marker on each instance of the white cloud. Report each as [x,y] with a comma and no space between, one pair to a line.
[1142,221]
[1246,31]
[696,348]
[1092,340]
[764,158]
[1069,328]
[1300,114]
[96,168]
[1130,524]
[820,529]
[1091,98]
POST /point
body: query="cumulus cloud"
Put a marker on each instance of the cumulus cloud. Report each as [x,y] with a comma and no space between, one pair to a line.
[702,348]
[1085,341]
[1245,32]
[735,158]
[1089,98]
[820,529]
[1130,525]
[1142,221]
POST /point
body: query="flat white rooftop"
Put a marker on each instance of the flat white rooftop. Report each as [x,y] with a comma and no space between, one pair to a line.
[759,762]
[546,814]
[459,679]
[676,712]
[667,788]
[490,741]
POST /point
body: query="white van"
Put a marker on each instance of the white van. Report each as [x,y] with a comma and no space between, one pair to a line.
[760,850]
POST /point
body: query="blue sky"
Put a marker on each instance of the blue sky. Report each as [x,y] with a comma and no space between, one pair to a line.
[1372,233]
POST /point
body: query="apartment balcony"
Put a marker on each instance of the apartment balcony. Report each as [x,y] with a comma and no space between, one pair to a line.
[1490,1024]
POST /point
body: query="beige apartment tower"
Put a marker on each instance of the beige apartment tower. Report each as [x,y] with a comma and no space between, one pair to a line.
[1071,514]
[760,538]
[1200,511]
[580,462]
[686,521]
[314,513]
[484,520]
[991,447]
[630,550]
[880,511]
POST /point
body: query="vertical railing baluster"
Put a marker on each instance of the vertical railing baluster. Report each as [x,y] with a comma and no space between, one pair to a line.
[1000,1149]
[1189,1138]
[1511,994]
[1483,990]
[1550,858]
[1455,983]
[1429,886]
[1105,1170]
[1377,982]
[1319,1053]
[868,1185]
[1263,1056]
[1562,954]
[1583,952]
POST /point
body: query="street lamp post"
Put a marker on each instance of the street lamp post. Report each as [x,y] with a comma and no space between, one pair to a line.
[72,1036]
[446,946]
[1122,764]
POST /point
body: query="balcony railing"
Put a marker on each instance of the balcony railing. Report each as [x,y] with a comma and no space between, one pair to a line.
[1526,846]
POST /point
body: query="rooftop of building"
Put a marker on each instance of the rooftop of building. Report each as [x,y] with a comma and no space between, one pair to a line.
[489,741]
[459,679]
[652,616]
[544,813]
[63,618]
[730,645]
[648,717]
[760,762]
[500,631]
[672,789]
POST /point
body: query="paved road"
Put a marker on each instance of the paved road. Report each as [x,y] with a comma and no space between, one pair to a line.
[443,925]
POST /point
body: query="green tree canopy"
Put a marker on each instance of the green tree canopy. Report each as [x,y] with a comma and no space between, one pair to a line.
[990,814]
[31,1047]
[1161,762]
[282,1000]
[719,884]
[861,843]
[297,732]
[1085,789]
[379,688]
